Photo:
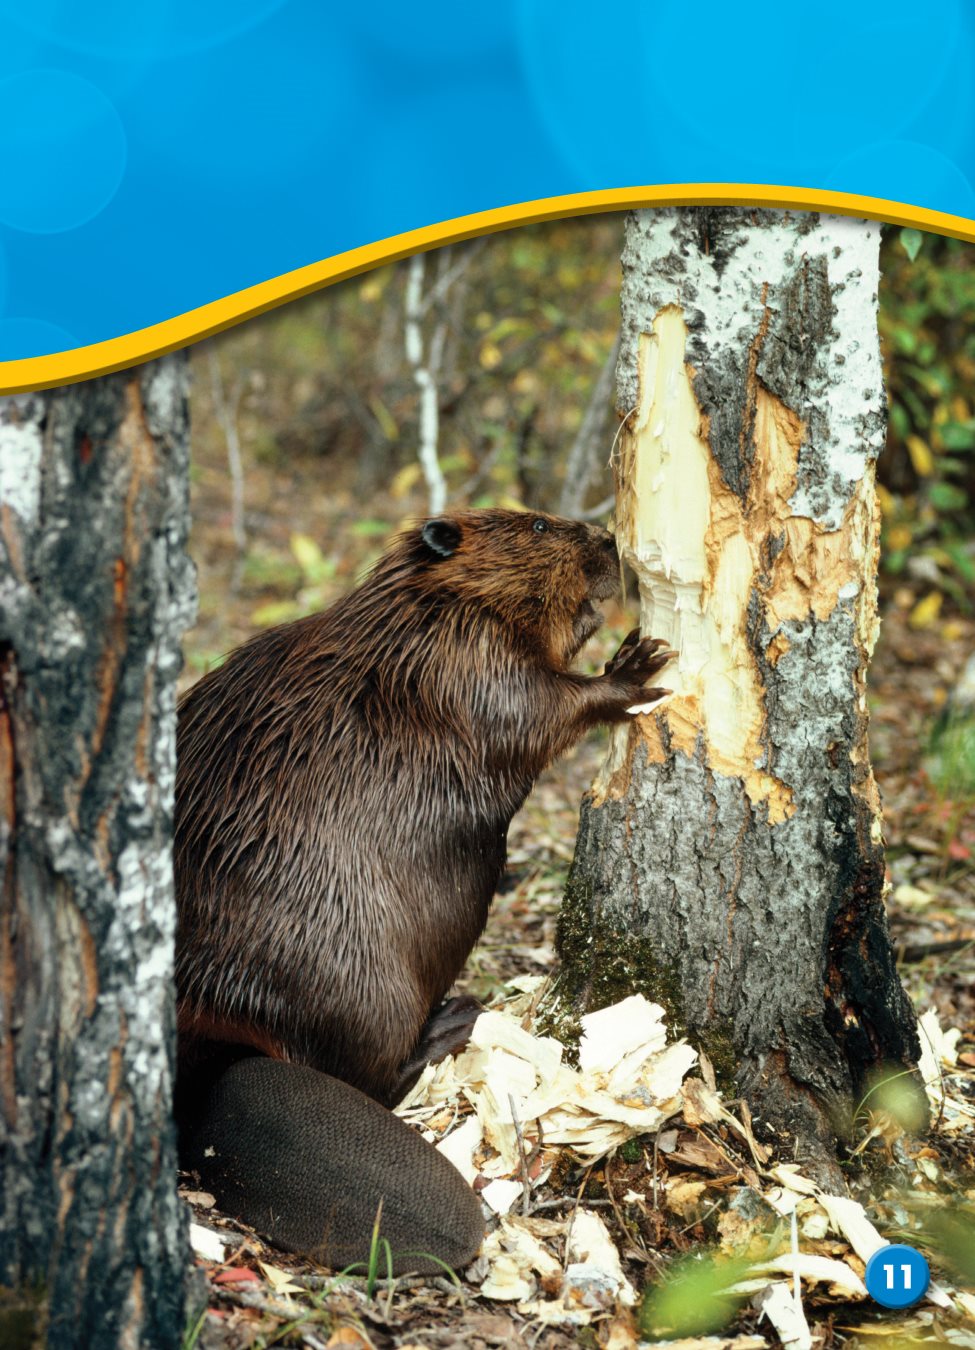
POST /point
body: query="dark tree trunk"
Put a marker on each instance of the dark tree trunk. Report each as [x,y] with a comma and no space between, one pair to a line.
[95,591]
[730,859]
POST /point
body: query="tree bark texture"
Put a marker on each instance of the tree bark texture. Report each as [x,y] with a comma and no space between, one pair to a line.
[95,592]
[730,857]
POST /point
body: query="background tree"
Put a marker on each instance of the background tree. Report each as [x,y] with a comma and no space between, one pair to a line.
[95,592]
[730,860]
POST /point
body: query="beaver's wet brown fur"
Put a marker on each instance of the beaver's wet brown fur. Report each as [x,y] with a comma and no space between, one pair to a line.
[345,785]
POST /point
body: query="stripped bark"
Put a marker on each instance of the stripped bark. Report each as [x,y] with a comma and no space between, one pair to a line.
[730,857]
[95,591]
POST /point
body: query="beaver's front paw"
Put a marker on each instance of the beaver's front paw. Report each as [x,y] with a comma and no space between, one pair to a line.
[636,662]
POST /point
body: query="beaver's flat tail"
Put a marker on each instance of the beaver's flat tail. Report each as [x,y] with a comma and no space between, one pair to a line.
[306,1160]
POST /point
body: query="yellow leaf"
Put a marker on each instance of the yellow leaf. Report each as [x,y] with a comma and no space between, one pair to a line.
[385,418]
[403,481]
[279,1280]
[526,382]
[926,611]
[371,290]
[921,456]
[899,536]
[953,630]
[960,409]
[490,356]
[307,553]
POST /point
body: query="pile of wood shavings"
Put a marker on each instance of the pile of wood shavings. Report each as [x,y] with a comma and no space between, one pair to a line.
[510,1106]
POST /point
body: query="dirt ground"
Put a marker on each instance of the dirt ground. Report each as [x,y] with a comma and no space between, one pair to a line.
[931,853]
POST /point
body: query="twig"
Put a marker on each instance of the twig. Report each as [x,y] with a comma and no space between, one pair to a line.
[638,1238]
[226,414]
[656,1155]
[424,374]
[694,1222]
[449,275]
[357,1283]
[559,1201]
[583,455]
[919,951]
[523,1158]
[593,512]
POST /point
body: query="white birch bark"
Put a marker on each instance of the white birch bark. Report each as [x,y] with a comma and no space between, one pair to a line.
[425,369]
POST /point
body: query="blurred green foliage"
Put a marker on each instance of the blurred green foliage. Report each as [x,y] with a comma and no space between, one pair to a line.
[315,592]
[927,474]
[694,1298]
[897,1094]
[948,1233]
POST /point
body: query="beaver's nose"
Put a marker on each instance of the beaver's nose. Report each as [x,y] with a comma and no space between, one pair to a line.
[603,538]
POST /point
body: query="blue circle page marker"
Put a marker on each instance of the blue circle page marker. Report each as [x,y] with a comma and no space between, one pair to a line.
[897,1276]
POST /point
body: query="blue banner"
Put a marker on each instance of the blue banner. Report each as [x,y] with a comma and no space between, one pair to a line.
[158,158]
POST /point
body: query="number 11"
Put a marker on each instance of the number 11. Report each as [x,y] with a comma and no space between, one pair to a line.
[890,1275]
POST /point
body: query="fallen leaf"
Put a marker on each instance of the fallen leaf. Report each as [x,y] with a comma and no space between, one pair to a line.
[698,1151]
[348,1336]
[236,1275]
[279,1280]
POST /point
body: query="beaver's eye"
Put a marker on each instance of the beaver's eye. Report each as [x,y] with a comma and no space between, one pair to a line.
[539,526]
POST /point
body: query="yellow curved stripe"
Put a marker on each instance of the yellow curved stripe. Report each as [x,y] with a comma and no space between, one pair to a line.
[81,363]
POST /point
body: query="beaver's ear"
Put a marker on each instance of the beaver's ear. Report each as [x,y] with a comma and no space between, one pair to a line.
[441,537]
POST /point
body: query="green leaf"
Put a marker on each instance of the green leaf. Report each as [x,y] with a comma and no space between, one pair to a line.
[911,241]
[368,529]
[959,435]
[899,420]
[905,340]
[278,611]
[962,561]
[507,326]
[947,497]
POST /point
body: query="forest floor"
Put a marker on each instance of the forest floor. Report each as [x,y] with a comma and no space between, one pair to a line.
[659,1205]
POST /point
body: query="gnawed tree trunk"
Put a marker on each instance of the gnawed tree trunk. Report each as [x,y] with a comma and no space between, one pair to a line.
[730,859]
[95,591]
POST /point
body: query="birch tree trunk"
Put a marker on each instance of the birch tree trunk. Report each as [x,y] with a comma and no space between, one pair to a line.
[95,591]
[730,859]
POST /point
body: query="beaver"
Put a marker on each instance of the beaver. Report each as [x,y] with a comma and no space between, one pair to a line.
[344,789]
